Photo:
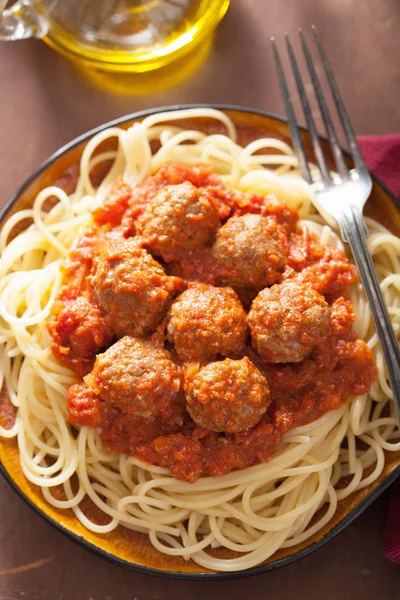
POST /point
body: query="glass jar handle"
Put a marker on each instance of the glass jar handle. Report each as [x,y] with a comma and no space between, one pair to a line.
[21,21]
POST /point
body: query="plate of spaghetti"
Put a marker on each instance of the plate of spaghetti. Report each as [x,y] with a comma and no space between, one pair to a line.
[191,382]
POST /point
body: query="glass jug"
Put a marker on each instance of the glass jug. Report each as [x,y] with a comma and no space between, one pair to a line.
[115,35]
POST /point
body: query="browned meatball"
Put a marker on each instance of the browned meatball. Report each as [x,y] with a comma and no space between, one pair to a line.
[206,321]
[247,254]
[288,321]
[138,377]
[230,396]
[132,289]
[179,218]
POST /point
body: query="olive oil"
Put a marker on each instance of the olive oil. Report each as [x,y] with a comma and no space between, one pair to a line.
[129,35]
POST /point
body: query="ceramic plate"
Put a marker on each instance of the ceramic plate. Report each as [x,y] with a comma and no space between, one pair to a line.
[124,547]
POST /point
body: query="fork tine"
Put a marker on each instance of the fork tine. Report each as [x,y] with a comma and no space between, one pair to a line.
[319,154]
[330,130]
[341,109]
[294,130]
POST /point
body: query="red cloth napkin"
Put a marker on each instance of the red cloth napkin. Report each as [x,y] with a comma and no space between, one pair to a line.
[382,155]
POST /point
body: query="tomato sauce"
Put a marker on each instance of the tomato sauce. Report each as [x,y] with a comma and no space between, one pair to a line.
[337,369]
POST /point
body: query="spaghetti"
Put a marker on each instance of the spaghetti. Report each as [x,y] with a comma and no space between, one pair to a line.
[253,511]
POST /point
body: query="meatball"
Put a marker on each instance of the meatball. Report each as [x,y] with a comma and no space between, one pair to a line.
[246,253]
[206,321]
[138,377]
[179,218]
[229,396]
[132,289]
[288,321]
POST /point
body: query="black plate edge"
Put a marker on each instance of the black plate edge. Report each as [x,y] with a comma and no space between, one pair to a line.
[349,518]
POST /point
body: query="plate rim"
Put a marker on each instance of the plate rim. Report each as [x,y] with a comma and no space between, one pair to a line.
[105,555]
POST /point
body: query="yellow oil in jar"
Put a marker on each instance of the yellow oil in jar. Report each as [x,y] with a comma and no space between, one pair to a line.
[130,35]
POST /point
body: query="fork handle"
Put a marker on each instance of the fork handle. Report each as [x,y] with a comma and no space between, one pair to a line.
[354,232]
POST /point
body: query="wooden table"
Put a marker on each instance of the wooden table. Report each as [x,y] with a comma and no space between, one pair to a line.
[45,102]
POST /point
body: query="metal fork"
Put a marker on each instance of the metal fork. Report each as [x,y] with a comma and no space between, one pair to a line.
[343,196]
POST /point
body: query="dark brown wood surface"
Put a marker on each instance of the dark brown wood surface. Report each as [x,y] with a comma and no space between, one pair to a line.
[45,102]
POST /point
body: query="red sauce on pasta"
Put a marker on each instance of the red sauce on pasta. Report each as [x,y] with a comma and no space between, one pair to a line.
[168,323]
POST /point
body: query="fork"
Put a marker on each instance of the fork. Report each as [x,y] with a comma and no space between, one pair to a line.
[340,196]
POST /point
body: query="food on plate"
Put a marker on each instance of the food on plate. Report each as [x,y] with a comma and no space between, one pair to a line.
[288,321]
[136,376]
[186,348]
[247,253]
[179,218]
[228,396]
[131,289]
[206,321]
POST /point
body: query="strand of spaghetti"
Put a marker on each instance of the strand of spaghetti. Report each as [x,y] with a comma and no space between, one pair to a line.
[18,218]
[204,500]
[98,453]
[380,461]
[84,185]
[85,480]
[252,558]
[191,113]
[332,494]
[138,154]
[73,500]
